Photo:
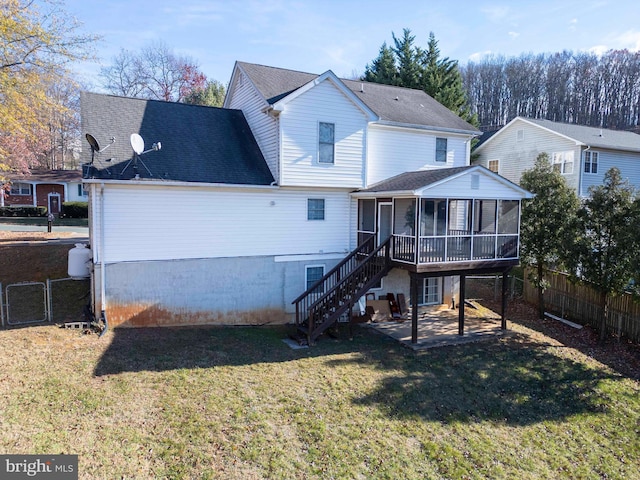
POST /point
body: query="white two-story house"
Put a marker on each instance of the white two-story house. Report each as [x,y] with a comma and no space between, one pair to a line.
[581,154]
[301,194]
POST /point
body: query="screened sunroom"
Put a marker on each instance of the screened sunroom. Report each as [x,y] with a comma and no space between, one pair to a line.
[451,219]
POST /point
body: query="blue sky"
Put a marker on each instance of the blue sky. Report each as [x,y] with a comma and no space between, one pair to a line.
[343,36]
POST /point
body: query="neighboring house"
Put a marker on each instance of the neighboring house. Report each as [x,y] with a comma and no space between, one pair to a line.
[45,188]
[582,154]
[245,208]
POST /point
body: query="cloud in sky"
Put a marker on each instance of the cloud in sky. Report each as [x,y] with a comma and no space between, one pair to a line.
[514,34]
[629,40]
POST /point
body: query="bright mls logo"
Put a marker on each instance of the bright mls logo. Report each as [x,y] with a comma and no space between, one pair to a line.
[50,467]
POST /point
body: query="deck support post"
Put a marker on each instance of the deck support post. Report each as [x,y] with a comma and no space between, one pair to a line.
[414,308]
[505,280]
[461,305]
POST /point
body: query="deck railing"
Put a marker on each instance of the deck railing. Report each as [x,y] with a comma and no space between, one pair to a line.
[454,248]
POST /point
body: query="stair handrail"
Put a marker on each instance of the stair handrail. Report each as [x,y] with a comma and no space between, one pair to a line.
[360,266]
[360,249]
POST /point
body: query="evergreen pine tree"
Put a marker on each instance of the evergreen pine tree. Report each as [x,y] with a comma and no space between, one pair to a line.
[548,222]
[382,69]
[407,65]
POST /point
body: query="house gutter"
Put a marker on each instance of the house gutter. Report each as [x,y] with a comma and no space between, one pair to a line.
[174,183]
[390,123]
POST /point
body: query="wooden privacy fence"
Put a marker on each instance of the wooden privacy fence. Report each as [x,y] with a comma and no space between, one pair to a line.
[581,304]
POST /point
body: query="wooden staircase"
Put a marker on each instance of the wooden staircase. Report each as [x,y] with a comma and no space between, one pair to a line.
[329,298]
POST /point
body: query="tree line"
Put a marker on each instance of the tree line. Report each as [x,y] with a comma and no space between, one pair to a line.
[581,88]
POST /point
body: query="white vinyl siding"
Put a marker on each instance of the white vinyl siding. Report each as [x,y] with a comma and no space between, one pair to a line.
[264,127]
[626,162]
[517,156]
[168,222]
[392,151]
[299,124]
[463,187]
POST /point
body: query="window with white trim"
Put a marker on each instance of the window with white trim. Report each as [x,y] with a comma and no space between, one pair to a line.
[441,149]
[20,189]
[313,273]
[81,191]
[590,162]
[326,142]
[563,162]
[315,209]
[494,165]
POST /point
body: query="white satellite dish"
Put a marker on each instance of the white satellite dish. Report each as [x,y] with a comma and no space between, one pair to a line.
[137,143]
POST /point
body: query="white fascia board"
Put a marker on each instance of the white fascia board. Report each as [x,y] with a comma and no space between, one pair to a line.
[237,68]
[395,194]
[428,128]
[524,120]
[550,130]
[328,75]
[521,192]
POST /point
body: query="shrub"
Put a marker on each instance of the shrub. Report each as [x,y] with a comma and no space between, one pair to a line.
[23,211]
[75,210]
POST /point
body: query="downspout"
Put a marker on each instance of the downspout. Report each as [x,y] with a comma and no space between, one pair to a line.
[103,295]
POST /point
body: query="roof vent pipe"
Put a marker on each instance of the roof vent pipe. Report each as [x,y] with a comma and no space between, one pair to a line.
[362,88]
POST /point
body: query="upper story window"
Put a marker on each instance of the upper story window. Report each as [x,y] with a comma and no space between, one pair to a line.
[326,142]
[563,162]
[494,165]
[315,209]
[590,162]
[441,149]
[20,189]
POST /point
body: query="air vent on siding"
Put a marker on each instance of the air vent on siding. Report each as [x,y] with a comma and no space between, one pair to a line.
[475,182]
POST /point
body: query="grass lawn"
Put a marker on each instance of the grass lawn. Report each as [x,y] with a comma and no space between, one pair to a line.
[238,403]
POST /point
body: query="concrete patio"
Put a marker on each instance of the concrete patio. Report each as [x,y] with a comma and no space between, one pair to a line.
[438,326]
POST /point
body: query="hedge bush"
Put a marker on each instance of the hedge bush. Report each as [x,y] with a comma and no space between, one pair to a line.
[75,210]
[23,211]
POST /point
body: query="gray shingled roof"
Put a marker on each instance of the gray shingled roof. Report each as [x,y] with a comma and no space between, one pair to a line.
[411,181]
[199,144]
[593,136]
[394,105]
[54,176]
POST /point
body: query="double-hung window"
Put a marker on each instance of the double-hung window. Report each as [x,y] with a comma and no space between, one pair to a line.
[313,273]
[20,189]
[563,162]
[590,162]
[326,142]
[441,149]
[315,209]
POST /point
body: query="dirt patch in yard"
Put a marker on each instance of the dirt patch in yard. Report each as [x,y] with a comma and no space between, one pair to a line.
[618,354]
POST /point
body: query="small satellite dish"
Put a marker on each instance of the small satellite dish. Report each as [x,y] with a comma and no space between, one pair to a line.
[137,143]
[93,143]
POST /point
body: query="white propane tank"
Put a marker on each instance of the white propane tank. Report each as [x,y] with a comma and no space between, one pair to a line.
[79,262]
